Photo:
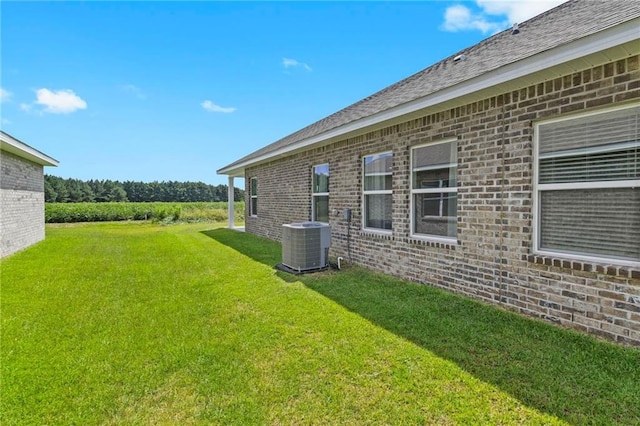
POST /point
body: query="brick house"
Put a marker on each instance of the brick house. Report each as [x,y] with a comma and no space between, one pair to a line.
[508,172]
[21,194]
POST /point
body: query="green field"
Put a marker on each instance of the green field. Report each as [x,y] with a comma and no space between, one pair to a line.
[121,211]
[138,323]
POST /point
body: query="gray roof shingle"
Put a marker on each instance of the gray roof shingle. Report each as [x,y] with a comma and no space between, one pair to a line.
[563,24]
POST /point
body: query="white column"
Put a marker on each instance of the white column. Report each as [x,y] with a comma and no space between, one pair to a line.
[231,209]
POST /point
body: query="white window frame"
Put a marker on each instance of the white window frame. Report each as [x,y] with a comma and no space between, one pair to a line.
[374,192]
[317,194]
[427,237]
[538,188]
[253,196]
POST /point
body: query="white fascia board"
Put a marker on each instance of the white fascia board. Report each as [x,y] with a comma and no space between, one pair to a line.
[236,171]
[594,43]
[10,144]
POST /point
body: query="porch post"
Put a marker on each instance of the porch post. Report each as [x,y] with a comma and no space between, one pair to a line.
[231,208]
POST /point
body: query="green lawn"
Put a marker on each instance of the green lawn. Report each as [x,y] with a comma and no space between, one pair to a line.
[148,324]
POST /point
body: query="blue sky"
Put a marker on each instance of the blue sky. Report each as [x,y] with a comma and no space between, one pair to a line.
[174,90]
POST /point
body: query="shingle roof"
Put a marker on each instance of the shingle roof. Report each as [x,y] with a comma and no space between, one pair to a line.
[563,24]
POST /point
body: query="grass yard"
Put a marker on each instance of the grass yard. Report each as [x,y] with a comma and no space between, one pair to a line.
[138,323]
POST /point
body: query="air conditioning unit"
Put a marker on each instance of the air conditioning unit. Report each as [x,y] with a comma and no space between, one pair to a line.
[305,245]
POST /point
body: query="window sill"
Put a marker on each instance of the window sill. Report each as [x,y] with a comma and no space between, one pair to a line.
[385,235]
[585,266]
[445,243]
[441,219]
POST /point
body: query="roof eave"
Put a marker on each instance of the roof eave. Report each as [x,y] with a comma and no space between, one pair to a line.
[12,145]
[573,53]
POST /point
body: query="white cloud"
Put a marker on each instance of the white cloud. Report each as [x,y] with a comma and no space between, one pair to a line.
[460,18]
[488,18]
[135,90]
[5,95]
[517,11]
[5,121]
[210,106]
[25,107]
[58,102]
[292,63]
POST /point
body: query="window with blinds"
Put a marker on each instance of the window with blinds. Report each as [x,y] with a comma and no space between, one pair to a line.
[588,185]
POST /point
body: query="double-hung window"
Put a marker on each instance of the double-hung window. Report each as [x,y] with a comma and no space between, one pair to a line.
[587,193]
[434,190]
[320,193]
[253,194]
[377,191]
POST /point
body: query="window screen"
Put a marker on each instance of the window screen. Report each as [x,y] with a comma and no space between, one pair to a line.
[253,193]
[434,190]
[377,191]
[320,193]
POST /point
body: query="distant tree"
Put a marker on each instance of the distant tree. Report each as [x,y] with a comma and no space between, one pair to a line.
[50,194]
[60,193]
[113,191]
[238,194]
[79,191]
[136,191]
[97,186]
[75,190]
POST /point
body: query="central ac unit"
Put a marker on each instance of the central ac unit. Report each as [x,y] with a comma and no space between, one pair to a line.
[305,245]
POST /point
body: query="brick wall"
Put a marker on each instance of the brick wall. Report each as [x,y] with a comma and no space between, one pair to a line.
[21,203]
[492,259]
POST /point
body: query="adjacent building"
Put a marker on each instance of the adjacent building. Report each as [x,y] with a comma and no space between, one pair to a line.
[508,172]
[21,194]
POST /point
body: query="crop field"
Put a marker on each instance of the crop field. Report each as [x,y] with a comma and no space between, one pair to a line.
[122,211]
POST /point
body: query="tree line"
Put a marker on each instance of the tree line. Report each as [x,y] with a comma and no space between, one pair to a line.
[60,190]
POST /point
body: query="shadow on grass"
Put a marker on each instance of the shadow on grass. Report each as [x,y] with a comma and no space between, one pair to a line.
[259,249]
[572,376]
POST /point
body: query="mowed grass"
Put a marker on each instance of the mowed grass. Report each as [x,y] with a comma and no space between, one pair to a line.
[148,324]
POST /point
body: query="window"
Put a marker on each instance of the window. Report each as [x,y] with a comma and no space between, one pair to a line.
[377,171]
[253,193]
[587,193]
[320,193]
[434,190]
